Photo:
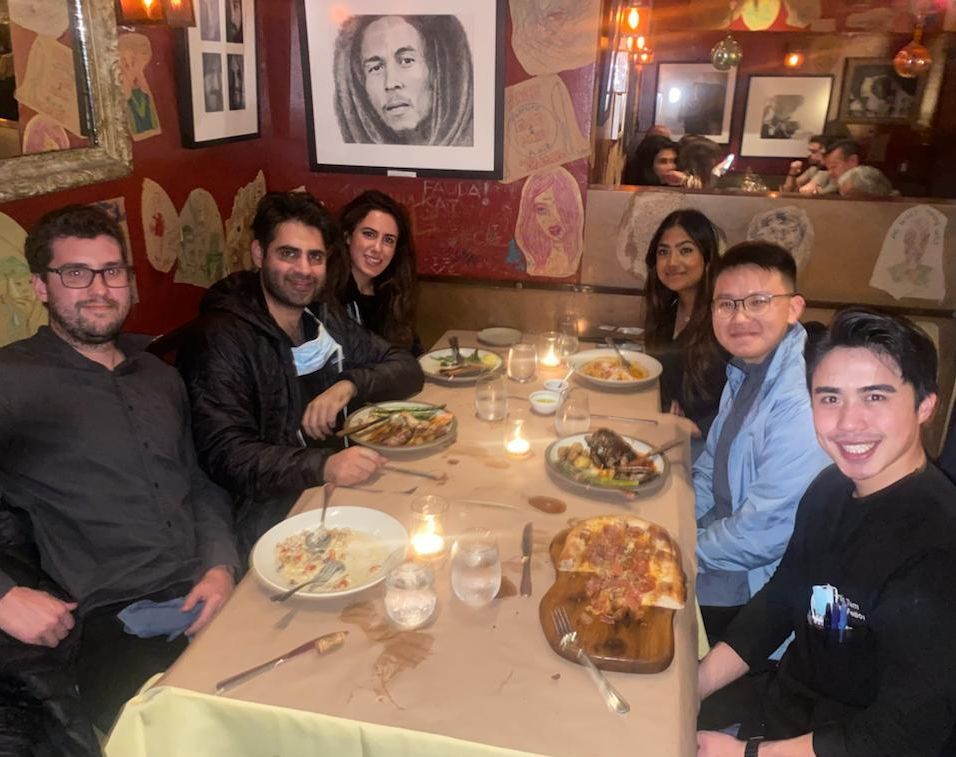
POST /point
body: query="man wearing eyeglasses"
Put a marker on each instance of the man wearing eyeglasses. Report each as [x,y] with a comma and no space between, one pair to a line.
[761,451]
[97,463]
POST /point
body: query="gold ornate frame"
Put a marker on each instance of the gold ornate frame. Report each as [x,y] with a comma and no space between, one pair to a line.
[112,155]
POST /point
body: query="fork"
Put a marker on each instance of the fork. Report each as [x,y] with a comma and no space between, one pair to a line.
[323,576]
[569,642]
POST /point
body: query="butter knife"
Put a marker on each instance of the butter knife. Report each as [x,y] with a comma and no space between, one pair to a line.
[526,547]
[322,645]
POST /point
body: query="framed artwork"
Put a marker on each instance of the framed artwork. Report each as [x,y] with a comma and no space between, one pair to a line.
[695,98]
[782,113]
[873,93]
[415,93]
[217,74]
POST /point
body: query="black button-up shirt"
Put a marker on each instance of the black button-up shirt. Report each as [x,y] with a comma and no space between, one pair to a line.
[102,464]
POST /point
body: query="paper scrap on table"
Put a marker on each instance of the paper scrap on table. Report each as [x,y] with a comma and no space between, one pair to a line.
[788,226]
[911,258]
[203,241]
[643,214]
[554,35]
[541,129]
[43,134]
[550,226]
[135,52]
[21,313]
[238,255]
[47,17]
[49,84]
[161,227]
[115,208]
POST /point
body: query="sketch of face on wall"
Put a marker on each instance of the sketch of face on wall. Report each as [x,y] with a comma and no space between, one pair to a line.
[789,226]
[554,35]
[911,258]
[644,212]
[550,226]
[21,313]
[404,80]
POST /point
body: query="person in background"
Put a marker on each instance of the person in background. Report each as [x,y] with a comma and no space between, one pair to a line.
[696,159]
[841,156]
[271,370]
[378,283]
[864,181]
[813,175]
[867,579]
[653,160]
[761,453]
[678,330]
[659,130]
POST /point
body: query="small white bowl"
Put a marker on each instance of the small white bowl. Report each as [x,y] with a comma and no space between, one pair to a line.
[544,402]
[556,385]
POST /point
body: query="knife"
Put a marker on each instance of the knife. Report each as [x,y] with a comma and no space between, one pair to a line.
[526,546]
[322,645]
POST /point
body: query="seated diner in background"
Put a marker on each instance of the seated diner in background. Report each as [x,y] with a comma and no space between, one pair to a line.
[379,284]
[271,369]
[678,330]
[865,585]
[98,466]
[841,156]
[696,159]
[761,453]
[653,163]
[813,178]
[865,182]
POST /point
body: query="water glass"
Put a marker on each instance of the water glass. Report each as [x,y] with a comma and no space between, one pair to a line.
[522,362]
[568,328]
[574,414]
[410,597]
[476,567]
[491,398]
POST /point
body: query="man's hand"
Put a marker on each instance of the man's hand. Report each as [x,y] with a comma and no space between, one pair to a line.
[796,168]
[214,589]
[318,421]
[353,466]
[35,617]
[715,744]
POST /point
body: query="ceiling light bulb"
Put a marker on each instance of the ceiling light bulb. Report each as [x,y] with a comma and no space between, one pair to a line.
[633,19]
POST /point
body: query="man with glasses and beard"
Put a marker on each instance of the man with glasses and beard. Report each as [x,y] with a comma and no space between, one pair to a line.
[100,487]
[271,371]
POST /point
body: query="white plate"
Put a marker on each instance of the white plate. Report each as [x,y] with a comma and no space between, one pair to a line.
[646,362]
[432,367]
[364,415]
[381,526]
[499,336]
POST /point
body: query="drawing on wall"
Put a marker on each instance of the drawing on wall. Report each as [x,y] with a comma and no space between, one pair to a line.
[789,226]
[911,258]
[203,241]
[47,17]
[554,35]
[541,129]
[238,254]
[49,84]
[43,134]
[550,226]
[135,52]
[21,313]
[644,212]
[161,228]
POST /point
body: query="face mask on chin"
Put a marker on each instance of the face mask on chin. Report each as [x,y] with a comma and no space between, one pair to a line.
[313,355]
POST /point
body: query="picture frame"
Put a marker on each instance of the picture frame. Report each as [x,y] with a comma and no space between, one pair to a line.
[437,113]
[873,93]
[217,74]
[695,98]
[782,113]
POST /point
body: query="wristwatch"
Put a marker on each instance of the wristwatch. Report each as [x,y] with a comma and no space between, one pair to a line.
[753,744]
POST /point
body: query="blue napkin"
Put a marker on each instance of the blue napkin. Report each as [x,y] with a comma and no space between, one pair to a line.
[147,619]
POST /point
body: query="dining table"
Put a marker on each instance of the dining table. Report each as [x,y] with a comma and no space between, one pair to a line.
[473,681]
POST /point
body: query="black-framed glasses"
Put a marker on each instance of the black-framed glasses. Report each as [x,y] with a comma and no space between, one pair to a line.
[81,277]
[754,304]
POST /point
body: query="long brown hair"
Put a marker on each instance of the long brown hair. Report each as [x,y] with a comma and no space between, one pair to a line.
[398,283]
[703,353]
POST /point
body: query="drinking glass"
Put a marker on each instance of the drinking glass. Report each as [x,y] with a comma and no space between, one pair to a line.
[574,414]
[410,596]
[522,362]
[491,398]
[476,567]
[568,328]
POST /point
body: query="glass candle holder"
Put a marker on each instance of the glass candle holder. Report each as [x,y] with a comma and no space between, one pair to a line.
[549,351]
[428,527]
[522,362]
[516,442]
[410,597]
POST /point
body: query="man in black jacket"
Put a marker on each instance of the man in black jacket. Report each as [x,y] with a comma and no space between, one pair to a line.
[271,372]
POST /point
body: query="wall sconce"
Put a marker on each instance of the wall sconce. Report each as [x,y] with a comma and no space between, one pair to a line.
[794,59]
[166,12]
[635,31]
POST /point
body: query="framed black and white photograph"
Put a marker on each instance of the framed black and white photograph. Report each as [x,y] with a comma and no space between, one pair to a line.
[418,91]
[782,113]
[873,93]
[695,98]
[216,74]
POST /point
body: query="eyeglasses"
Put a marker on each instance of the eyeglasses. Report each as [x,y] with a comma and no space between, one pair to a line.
[754,304]
[81,277]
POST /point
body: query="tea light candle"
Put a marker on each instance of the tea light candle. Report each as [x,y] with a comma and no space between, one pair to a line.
[516,445]
[550,349]
[428,539]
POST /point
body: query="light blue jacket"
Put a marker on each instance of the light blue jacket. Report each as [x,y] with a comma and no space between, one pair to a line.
[772,462]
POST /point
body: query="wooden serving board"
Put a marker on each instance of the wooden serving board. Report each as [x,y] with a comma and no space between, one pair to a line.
[628,646]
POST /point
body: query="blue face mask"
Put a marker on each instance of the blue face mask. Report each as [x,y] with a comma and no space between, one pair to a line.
[311,356]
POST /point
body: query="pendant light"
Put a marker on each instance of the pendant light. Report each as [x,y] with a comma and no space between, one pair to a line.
[914,58]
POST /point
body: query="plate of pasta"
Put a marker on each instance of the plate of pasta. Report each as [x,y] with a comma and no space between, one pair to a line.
[603,368]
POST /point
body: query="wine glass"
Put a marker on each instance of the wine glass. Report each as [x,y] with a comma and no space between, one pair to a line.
[568,328]
[574,414]
[522,362]
[476,567]
[491,398]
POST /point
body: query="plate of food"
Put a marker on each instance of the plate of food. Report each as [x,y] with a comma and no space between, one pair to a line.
[606,463]
[605,369]
[368,542]
[442,366]
[408,426]
[620,579]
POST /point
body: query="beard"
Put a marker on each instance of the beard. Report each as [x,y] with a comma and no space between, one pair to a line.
[82,329]
[281,286]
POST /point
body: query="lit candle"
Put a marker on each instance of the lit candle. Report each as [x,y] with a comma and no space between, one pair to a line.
[516,445]
[428,540]
[550,349]
[426,544]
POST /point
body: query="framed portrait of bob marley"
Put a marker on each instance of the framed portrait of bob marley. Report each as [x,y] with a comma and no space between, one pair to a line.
[404,87]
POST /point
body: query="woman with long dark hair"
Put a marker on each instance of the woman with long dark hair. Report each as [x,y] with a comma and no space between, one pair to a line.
[380,287]
[653,162]
[678,329]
